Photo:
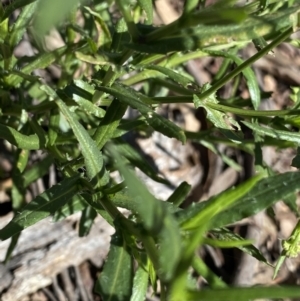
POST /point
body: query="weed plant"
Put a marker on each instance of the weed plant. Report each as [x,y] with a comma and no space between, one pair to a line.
[78,122]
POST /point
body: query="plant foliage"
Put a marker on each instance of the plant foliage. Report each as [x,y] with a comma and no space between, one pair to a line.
[78,122]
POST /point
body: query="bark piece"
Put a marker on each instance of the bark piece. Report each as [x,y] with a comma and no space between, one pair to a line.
[45,250]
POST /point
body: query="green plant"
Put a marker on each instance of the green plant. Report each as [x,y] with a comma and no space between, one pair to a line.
[83,140]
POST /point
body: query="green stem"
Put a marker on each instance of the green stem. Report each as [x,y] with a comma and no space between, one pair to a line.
[252,113]
[229,109]
[279,263]
[110,208]
[215,106]
[223,69]
[140,77]
[148,59]
[202,269]
[179,58]
[175,60]
[149,245]
[148,241]
[172,86]
[221,82]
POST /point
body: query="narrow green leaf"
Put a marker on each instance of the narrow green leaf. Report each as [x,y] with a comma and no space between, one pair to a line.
[20,26]
[146,205]
[216,205]
[278,134]
[226,244]
[115,281]
[227,235]
[120,36]
[29,78]
[207,15]
[82,94]
[53,127]
[180,194]
[222,15]
[169,248]
[49,91]
[131,125]
[88,216]
[19,189]
[86,88]
[18,192]
[263,195]
[248,74]
[226,35]
[259,43]
[212,147]
[202,269]
[14,6]
[30,142]
[11,247]
[279,263]
[75,204]
[200,223]
[41,61]
[41,207]
[140,284]
[227,125]
[109,123]
[175,76]
[244,293]
[39,131]
[4,29]
[291,201]
[117,188]
[137,160]
[37,170]
[152,277]
[92,156]
[121,198]
[134,99]
[94,59]
[124,199]
[22,160]
[94,201]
